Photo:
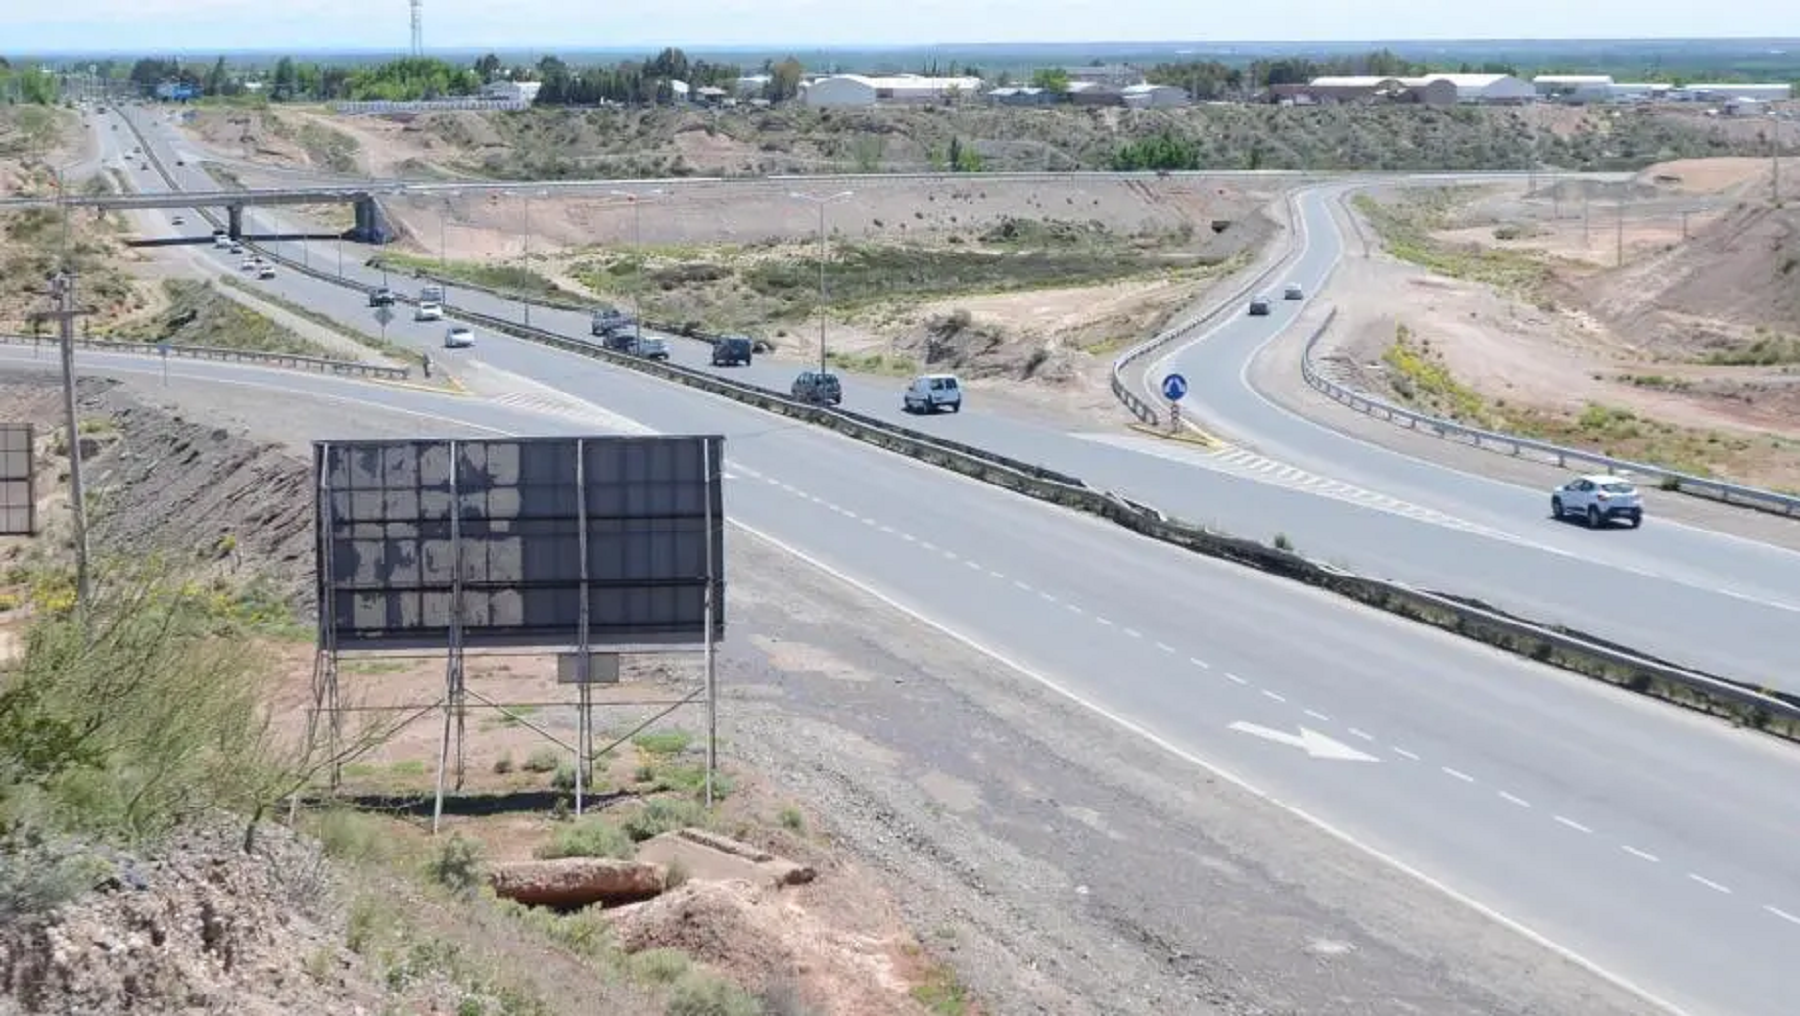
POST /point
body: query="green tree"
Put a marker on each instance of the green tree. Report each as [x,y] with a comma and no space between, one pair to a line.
[784,80]
[1051,79]
[488,67]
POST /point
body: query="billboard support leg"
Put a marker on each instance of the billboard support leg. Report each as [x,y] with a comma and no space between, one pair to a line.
[712,685]
[454,700]
[583,635]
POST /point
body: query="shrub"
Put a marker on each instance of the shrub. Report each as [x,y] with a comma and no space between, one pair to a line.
[698,993]
[660,966]
[543,760]
[590,838]
[456,864]
[661,815]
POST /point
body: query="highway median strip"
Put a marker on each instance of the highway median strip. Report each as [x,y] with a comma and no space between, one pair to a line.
[1775,714]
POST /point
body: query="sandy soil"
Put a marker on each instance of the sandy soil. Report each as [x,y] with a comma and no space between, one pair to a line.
[1616,336]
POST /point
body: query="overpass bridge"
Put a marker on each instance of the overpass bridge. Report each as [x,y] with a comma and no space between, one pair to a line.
[371,226]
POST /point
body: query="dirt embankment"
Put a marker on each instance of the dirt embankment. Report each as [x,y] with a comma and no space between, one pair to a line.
[1686,352]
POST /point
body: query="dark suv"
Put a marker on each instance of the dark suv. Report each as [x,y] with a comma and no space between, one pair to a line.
[383,297]
[818,386]
[731,351]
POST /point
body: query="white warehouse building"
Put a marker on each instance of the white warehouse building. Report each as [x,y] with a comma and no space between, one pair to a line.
[1145,96]
[1496,88]
[1755,93]
[1578,87]
[861,90]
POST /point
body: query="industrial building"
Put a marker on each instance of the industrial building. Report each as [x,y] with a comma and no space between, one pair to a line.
[1146,96]
[1752,92]
[512,91]
[1022,95]
[1575,87]
[861,90]
[1503,89]
[1431,89]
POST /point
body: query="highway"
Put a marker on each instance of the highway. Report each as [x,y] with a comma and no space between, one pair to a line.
[1697,598]
[1650,841]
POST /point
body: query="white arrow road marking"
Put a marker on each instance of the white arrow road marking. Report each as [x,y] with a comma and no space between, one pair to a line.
[1312,742]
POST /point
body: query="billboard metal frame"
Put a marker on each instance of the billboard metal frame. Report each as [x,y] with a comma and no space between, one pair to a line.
[456,637]
[18,473]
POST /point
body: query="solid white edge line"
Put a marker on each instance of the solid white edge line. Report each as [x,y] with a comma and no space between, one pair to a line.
[1224,774]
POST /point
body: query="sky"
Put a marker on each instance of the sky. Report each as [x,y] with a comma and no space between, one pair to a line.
[139,26]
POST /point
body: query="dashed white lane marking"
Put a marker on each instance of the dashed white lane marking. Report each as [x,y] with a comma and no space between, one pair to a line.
[1249,465]
[1271,695]
[1709,883]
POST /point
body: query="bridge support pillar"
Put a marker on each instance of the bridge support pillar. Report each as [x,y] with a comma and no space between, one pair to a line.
[234,215]
[371,225]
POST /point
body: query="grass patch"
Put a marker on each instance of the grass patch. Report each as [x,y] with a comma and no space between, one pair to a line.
[198,315]
[510,280]
[391,350]
[592,837]
[941,993]
[1764,351]
[886,364]
[667,742]
[1420,378]
[698,993]
[1405,228]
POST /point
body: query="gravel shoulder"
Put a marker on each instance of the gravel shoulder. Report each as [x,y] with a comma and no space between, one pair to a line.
[1058,863]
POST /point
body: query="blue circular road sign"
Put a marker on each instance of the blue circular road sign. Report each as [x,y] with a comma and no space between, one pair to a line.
[1174,387]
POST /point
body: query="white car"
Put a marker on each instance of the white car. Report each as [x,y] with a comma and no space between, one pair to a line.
[265,272]
[1293,292]
[429,311]
[251,263]
[929,393]
[1598,500]
[222,242]
[459,337]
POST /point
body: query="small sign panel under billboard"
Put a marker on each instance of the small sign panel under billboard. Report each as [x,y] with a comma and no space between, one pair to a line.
[18,491]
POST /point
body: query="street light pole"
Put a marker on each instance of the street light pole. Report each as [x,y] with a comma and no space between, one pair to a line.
[821,202]
[637,243]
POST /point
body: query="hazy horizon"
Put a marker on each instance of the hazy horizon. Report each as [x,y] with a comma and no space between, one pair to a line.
[102,27]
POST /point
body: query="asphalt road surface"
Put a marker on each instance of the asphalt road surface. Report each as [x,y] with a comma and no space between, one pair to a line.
[1692,596]
[1652,842]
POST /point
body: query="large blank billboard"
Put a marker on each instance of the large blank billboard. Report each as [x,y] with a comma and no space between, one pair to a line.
[415,534]
[18,492]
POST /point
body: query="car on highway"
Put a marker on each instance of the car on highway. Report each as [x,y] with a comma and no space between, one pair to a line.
[1259,306]
[237,248]
[1598,500]
[459,337]
[818,386]
[1293,292]
[383,297]
[651,347]
[251,263]
[610,321]
[265,271]
[178,219]
[429,310]
[222,242]
[732,350]
[431,294]
[929,393]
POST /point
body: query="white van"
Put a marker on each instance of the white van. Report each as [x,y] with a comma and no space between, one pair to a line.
[929,393]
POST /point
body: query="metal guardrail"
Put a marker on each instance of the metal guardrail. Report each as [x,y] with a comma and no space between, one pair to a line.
[1122,389]
[289,361]
[1776,714]
[1669,479]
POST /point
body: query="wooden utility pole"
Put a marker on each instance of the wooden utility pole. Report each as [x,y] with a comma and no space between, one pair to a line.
[62,291]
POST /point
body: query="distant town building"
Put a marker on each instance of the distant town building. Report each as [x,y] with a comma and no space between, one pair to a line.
[512,91]
[862,90]
[1146,96]
[1092,93]
[1431,89]
[1117,76]
[751,86]
[1575,87]
[1755,93]
[1022,95]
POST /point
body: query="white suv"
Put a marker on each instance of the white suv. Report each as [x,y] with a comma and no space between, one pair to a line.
[929,393]
[429,311]
[1598,499]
